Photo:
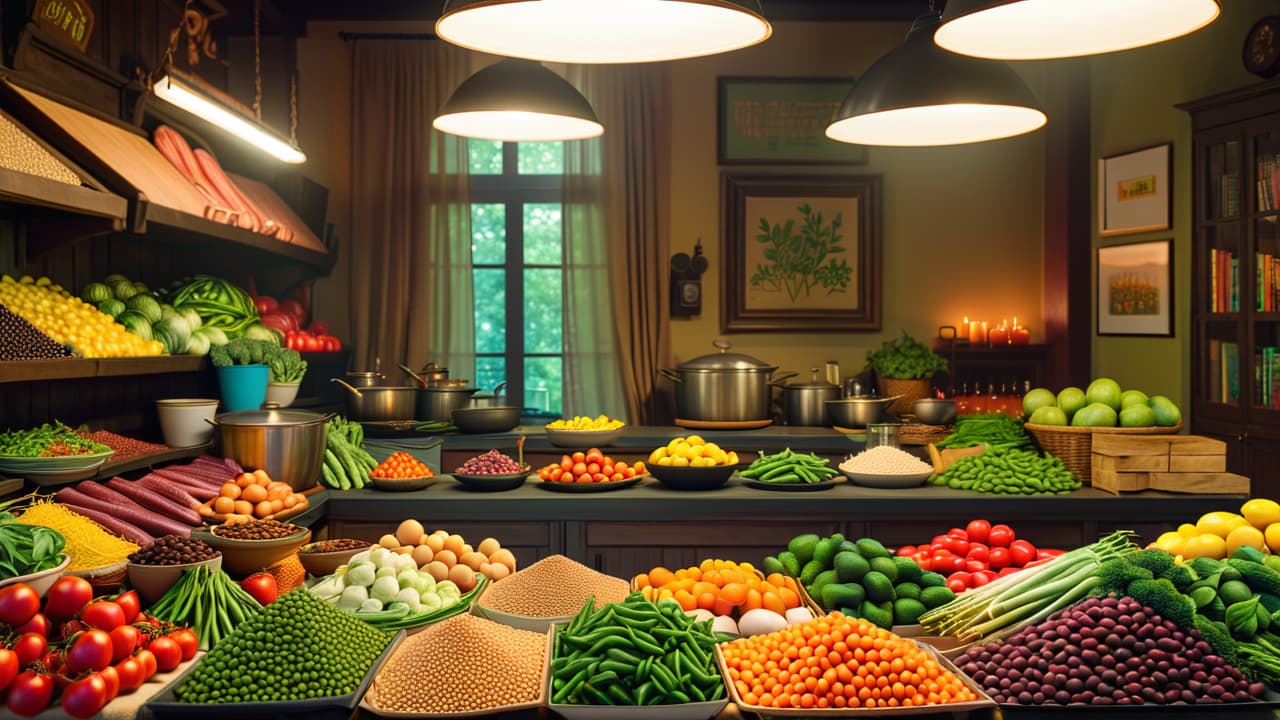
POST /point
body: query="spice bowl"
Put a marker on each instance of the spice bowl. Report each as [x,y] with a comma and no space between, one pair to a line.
[153,581]
[244,557]
[319,562]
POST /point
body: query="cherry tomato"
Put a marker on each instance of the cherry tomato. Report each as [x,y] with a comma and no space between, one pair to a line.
[52,660]
[29,646]
[979,552]
[30,693]
[957,532]
[112,678]
[957,545]
[130,603]
[1021,552]
[974,566]
[978,530]
[39,623]
[906,551]
[981,578]
[924,560]
[1007,571]
[9,667]
[1001,536]
[958,582]
[147,660]
[937,540]
[18,603]
[168,653]
[85,697]
[92,650]
[124,640]
[67,597]
[103,614]
[1047,553]
[187,640]
[130,672]
[1000,558]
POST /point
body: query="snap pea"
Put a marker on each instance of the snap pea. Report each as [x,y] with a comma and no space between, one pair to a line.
[789,466]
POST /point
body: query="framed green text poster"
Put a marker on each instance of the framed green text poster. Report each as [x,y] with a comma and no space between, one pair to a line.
[781,121]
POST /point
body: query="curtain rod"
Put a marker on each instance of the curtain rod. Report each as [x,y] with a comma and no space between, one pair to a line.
[386,36]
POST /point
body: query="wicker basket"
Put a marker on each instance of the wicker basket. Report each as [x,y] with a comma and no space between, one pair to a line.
[1074,445]
[916,433]
[910,390]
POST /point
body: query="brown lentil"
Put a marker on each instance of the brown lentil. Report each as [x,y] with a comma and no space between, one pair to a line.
[555,586]
[337,545]
[462,664]
[256,530]
[174,550]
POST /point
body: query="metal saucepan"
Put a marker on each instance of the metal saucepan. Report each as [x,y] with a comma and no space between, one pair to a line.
[364,379]
[493,419]
[434,374]
[438,403]
[724,387]
[858,412]
[288,444]
[804,401]
[380,403]
[422,382]
[493,400]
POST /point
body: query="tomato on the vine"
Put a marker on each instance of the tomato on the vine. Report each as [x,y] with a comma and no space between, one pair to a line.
[130,604]
[29,647]
[167,652]
[39,624]
[112,678]
[85,697]
[147,660]
[103,614]
[30,693]
[67,597]
[124,640]
[130,672]
[18,603]
[187,641]
[9,667]
[91,650]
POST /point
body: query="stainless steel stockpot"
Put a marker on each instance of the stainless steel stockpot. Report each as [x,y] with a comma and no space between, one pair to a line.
[724,387]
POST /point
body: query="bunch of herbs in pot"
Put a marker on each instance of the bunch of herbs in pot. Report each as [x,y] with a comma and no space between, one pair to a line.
[905,358]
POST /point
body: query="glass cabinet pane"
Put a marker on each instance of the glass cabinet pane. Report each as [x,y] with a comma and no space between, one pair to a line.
[1266,264]
[1222,182]
[1266,156]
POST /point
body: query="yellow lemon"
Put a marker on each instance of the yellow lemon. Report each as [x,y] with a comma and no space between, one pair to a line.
[1207,545]
[664,460]
[1272,536]
[695,440]
[1219,523]
[1261,512]
[1187,530]
[671,446]
[1246,536]
[720,457]
[679,461]
[694,451]
[710,449]
[1170,542]
[657,455]
[731,458]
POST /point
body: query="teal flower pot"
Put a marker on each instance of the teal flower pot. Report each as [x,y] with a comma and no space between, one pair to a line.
[244,387]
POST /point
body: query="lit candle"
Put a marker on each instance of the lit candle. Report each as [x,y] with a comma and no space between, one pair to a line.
[978,332]
[999,335]
[1019,335]
[962,332]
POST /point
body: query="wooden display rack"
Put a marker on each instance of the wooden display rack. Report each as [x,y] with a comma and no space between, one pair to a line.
[1173,463]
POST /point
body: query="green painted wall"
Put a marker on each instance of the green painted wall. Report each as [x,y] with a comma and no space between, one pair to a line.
[1133,97]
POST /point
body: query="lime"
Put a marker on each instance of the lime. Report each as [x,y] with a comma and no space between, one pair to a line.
[1048,415]
[1137,416]
[1132,397]
[1071,399]
[1105,391]
[1167,413]
[1036,399]
[1095,415]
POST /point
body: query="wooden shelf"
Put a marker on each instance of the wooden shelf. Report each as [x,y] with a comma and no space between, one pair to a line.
[174,227]
[34,370]
[26,189]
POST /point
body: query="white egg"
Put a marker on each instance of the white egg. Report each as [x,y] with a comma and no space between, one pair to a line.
[797,615]
[724,624]
[700,614]
[760,622]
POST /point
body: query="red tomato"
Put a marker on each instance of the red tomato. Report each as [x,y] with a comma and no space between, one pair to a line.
[262,587]
[92,650]
[957,532]
[907,551]
[124,640]
[187,640]
[68,596]
[168,653]
[9,667]
[958,582]
[315,344]
[112,678]
[978,551]
[39,623]
[978,530]
[1022,552]
[1046,554]
[319,327]
[103,614]
[29,646]
[979,579]
[957,545]
[937,540]
[1001,536]
[130,603]
[147,660]
[1000,558]
[1007,571]
[130,672]
[294,308]
[85,697]
[52,660]
[30,693]
[924,560]
[18,603]
[974,566]
[332,344]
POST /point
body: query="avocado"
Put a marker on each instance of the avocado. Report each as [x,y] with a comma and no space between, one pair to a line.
[847,546]
[932,597]
[842,595]
[885,566]
[810,572]
[802,546]
[790,563]
[907,611]
[824,578]
[1234,591]
[824,551]
[907,590]
[932,579]
[879,588]
[870,548]
[908,570]
[850,566]
[772,565]
[837,537]
[879,613]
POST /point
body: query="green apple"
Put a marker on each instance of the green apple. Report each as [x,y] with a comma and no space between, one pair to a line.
[1105,391]
[1095,415]
[1137,416]
[1048,415]
[1036,399]
[1167,413]
[1071,400]
[1132,397]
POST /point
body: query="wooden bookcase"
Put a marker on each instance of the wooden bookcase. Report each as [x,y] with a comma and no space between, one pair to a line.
[1235,278]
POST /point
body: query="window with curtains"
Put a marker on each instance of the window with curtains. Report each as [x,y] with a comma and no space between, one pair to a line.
[517,258]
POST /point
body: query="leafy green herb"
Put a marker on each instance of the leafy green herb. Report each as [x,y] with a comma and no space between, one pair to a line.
[48,440]
[27,549]
[905,358]
[801,262]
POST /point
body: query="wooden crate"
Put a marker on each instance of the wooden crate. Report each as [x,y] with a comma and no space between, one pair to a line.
[1172,463]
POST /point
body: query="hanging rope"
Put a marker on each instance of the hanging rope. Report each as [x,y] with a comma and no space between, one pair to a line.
[257,59]
[293,109]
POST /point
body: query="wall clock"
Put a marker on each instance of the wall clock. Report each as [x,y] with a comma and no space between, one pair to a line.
[1262,47]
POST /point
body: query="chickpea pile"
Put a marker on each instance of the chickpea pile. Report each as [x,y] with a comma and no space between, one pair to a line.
[555,586]
[462,664]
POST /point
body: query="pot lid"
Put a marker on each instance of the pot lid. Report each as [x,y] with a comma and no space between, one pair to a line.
[434,387]
[814,383]
[725,360]
[261,418]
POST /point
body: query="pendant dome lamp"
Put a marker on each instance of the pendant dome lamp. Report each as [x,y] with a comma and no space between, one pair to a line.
[920,95]
[603,31]
[1043,29]
[518,101]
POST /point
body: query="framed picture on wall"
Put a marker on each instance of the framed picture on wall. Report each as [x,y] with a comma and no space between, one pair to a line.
[781,121]
[801,253]
[1135,289]
[1135,192]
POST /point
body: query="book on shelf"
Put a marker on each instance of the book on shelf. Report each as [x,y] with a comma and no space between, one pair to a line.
[1230,373]
[1267,377]
[1230,200]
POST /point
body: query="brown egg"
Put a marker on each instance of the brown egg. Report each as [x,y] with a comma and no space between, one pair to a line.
[435,542]
[422,555]
[463,576]
[466,548]
[505,557]
[403,550]
[454,543]
[438,570]
[447,557]
[442,533]
[497,571]
[488,547]
[473,560]
[409,532]
[389,541]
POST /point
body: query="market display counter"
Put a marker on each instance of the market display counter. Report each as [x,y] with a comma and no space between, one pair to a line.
[631,530]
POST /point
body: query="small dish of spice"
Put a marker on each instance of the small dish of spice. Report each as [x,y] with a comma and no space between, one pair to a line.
[154,568]
[324,557]
[253,545]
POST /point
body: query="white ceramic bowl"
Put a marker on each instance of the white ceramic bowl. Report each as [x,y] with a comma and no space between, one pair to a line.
[182,420]
[283,394]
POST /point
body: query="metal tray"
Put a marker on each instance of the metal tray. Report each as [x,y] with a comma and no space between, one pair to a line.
[984,703]
[165,704]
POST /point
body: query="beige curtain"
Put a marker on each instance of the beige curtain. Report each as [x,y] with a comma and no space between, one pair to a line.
[411,298]
[615,236]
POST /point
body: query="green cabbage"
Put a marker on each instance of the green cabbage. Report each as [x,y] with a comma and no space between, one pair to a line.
[112,307]
[258,331]
[198,344]
[192,317]
[173,333]
[217,338]
[96,293]
[136,324]
[146,306]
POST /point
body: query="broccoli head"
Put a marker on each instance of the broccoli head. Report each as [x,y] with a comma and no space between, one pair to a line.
[1117,574]
[1165,599]
[1157,561]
